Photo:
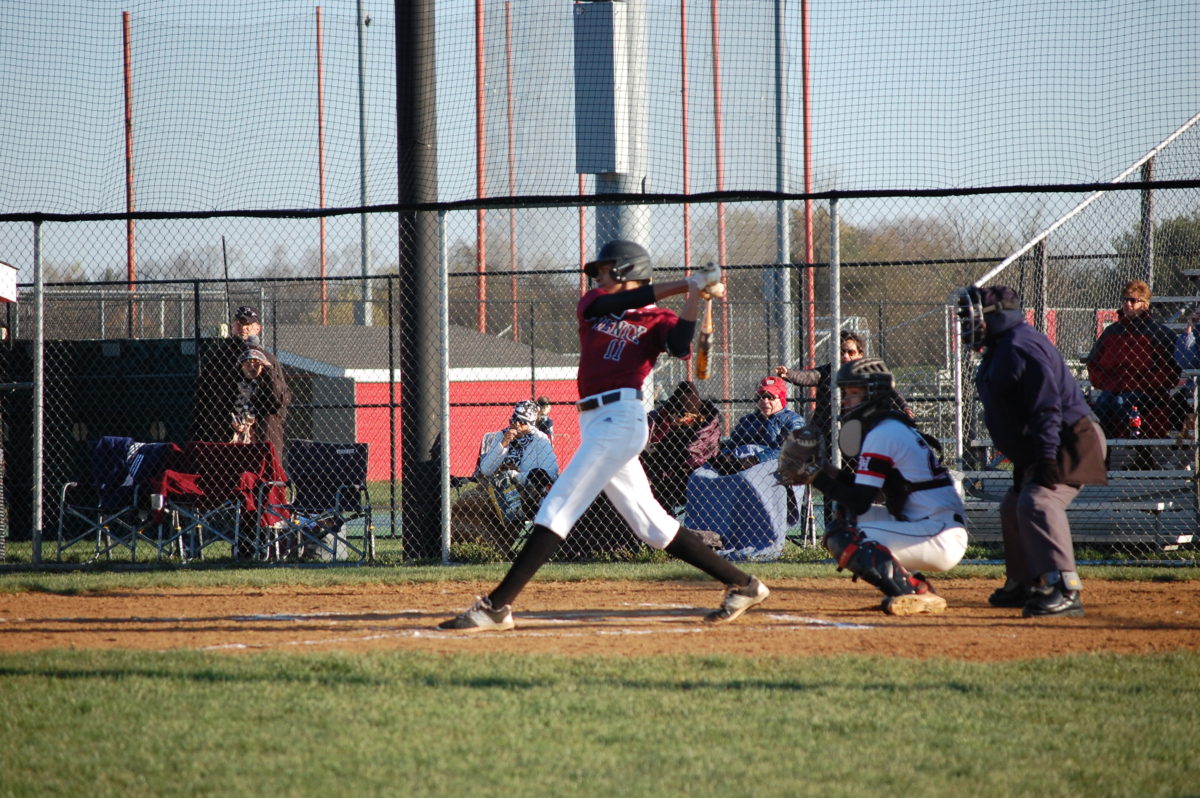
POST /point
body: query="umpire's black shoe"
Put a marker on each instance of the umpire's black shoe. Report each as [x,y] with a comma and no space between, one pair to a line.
[1056,594]
[1013,594]
[1056,603]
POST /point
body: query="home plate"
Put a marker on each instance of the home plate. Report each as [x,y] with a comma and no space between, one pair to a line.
[802,620]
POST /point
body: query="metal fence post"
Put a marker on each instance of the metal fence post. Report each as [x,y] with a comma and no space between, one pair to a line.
[835,325]
[39,344]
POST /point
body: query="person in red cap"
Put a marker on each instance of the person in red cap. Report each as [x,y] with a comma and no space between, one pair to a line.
[758,436]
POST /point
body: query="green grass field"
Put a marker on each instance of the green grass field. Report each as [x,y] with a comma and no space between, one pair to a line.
[191,723]
[126,723]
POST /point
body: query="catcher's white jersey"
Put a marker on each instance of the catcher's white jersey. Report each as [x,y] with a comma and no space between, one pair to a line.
[893,445]
[930,536]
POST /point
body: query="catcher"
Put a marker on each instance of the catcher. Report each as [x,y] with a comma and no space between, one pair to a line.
[920,523]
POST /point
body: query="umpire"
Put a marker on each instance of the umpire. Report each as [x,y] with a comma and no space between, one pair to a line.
[1036,414]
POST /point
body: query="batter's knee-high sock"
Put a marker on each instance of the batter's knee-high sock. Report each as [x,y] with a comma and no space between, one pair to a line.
[688,546]
[534,554]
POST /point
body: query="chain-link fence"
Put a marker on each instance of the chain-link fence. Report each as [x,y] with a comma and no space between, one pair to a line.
[226,156]
[167,364]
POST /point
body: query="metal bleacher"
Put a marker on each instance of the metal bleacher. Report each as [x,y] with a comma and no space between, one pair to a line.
[1153,496]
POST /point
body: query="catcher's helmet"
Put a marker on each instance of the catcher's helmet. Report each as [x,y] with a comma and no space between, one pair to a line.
[630,261]
[974,303]
[871,374]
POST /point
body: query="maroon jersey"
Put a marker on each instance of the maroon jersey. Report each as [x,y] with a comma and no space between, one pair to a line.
[618,350]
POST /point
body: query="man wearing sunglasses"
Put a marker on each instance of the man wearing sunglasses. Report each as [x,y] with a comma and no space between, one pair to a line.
[758,436]
[1132,364]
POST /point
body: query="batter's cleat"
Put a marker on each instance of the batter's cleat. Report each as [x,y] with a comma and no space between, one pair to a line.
[738,600]
[1013,594]
[914,604]
[481,618]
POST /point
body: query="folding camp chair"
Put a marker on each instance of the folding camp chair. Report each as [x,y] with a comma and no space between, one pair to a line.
[327,487]
[111,508]
[222,492]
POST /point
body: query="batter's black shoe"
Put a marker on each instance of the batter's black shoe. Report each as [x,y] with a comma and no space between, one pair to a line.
[481,618]
[1013,594]
[738,600]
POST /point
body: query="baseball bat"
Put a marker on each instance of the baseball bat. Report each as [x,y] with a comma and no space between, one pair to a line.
[705,345]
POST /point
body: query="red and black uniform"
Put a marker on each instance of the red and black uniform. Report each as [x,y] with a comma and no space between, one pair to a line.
[621,336]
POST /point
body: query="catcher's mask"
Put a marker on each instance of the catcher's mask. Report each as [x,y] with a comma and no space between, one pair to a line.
[974,304]
[630,261]
[872,375]
[879,394]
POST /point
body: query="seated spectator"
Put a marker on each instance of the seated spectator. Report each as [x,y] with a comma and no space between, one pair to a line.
[684,433]
[736,494]
[1132,364]
[758,436]
[1187,357]
[544,422]
[516,467]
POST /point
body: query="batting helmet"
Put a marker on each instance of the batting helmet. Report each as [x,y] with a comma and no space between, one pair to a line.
[871,374]
[630,261]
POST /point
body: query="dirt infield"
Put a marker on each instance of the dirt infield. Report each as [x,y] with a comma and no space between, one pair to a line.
[801,618]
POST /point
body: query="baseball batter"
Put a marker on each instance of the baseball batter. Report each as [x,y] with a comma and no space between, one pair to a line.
[621,334]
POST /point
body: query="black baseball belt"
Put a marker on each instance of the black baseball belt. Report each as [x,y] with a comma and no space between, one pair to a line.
[598,400]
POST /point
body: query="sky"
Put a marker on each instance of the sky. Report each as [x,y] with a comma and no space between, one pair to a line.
[905,94]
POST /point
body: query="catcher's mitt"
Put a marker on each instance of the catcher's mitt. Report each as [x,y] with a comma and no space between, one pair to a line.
[799,458]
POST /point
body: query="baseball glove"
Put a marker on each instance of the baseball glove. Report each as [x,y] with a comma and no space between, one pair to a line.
[799,458]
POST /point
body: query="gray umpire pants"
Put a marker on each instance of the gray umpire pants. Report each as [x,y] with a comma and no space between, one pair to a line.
[1037,536]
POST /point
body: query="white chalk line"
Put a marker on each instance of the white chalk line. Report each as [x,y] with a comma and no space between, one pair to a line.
[572,619]
[563,620]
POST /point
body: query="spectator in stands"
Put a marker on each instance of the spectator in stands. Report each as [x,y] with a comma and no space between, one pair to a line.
[1187,357]
[853,347]
[262,399]
[216,392]
[1036,414]
[515,469]
[1132,364]
[544,422]
[685,431]
[758,436]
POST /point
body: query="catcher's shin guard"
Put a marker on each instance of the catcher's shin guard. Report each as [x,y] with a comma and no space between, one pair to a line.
[841,537]
[870,561]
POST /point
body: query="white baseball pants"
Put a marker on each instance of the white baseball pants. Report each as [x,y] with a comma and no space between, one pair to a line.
[611,438]
[936,543]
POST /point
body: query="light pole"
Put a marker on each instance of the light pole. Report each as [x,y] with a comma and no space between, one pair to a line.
[364,309]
